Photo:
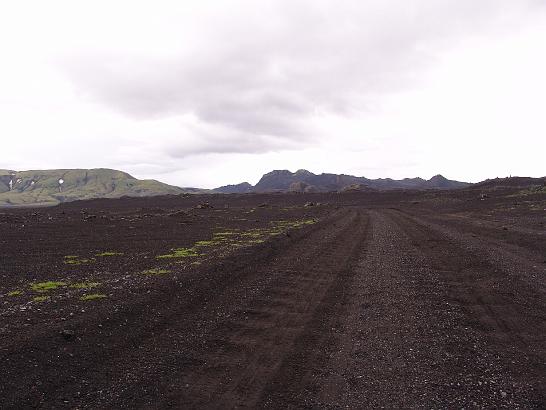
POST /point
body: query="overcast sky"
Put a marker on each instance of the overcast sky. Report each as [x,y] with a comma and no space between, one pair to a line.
[205,93]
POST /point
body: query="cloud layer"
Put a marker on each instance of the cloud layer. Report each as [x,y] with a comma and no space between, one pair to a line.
[170,81]
[260,72]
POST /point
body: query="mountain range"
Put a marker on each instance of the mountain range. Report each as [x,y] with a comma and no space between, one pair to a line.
[305,181]
[50,187]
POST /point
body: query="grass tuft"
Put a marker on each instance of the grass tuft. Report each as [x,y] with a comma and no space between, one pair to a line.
[40,298]
[93,296]
[155,271]
[76,260]
[227,233]
[109,253]
[15,293]
[180,253]
[205,243]
[43,287]
[84,285]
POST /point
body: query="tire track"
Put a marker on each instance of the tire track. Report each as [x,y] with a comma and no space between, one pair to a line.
[408,343]
[479,283]
[300,375]
[272,341]
[497,303]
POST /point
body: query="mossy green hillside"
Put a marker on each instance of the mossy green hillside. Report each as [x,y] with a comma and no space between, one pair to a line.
[43,187]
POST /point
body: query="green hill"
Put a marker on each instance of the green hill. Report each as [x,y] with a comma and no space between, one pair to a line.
[50,187]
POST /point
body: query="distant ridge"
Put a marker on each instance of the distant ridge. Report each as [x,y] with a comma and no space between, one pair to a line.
[241,188]
[305,181]
[510,182]
[50,187]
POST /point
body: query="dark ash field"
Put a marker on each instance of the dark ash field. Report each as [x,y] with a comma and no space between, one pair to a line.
[355,300]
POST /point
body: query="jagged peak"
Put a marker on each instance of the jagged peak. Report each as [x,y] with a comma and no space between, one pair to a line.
[278,172]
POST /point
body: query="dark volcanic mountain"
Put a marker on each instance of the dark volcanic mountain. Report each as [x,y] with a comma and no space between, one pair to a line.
[241,188]
[305,181]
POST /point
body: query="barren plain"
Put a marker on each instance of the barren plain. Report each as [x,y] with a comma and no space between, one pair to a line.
[398,299]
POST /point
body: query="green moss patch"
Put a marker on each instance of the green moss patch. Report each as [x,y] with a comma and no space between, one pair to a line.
[40,298]
[293,224]
[109,253]
[235,238]
[15,293]
[215,241]
[206,243]
[84,285]
[255,233]
[156,271]
[76,260]
[43,287]
[220,240]
[180,253]
[93,296]
[227,233]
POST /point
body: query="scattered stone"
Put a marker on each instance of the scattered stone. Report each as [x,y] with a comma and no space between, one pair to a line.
[67,334]
[308,204]
[179,213]
[204,205]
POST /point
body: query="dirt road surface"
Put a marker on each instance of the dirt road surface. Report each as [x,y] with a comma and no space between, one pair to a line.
[367,307]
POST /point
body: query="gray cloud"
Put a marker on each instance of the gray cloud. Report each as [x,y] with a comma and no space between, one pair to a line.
[255,79]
